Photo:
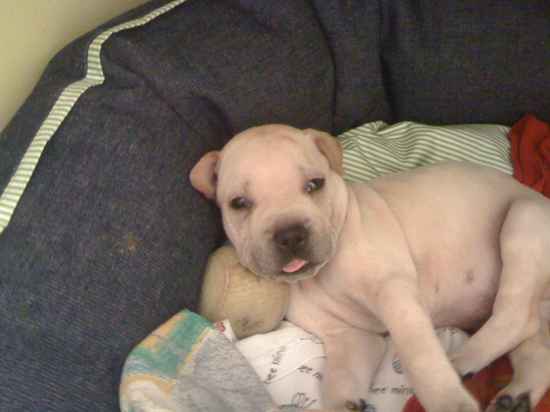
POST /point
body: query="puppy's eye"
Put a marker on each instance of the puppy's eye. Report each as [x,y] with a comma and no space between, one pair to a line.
[315,184]
[240,203]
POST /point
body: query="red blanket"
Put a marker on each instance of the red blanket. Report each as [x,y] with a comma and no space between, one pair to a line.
[530,139]
[485,385]
[530,152]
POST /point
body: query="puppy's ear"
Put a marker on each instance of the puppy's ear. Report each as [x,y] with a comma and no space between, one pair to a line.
[203,175]
[330,148]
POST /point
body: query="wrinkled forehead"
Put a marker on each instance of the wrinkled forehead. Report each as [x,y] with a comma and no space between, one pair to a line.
[261,148]
[277,159]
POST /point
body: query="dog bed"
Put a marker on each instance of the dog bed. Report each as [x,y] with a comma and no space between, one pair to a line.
[188,365]
[102,237]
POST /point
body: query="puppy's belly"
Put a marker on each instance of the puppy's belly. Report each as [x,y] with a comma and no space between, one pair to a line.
[462,298]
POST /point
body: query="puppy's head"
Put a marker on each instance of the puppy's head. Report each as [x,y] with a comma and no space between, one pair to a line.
[281,195]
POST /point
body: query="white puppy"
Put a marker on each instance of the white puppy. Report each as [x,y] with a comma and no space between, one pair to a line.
[446,245]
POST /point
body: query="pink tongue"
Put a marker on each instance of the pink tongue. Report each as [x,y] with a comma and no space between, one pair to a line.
[294,266]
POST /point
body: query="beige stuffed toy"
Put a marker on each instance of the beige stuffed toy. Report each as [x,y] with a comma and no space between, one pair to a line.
[230,291]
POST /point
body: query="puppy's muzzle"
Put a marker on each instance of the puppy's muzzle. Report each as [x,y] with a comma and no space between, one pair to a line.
[291,240]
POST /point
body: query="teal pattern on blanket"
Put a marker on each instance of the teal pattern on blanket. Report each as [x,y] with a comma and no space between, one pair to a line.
[152,366]
[164,349]
[187,365]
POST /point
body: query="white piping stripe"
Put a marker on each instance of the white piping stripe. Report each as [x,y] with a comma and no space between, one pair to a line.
[10,202]
[11,197]
[10,193]
[5,210]
[30,160]
[24,175]
[15,188]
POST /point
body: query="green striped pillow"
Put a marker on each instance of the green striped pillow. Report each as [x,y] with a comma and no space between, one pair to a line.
[375,148]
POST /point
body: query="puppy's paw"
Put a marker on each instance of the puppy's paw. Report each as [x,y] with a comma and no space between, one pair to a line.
[461,407]
[465,366]
[348,396]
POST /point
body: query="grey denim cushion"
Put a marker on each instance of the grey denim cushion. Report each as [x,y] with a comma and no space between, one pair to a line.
[352,30]
[109,239]
[467,61]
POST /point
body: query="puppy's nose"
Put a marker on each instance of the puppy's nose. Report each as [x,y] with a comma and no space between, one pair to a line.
[291,238]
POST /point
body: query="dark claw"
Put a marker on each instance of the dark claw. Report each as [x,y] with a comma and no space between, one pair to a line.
[506,403]
[523,403]
[351,406]
[467,376]
[360,406]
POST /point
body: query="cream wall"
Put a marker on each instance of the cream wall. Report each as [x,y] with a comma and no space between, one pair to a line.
[32,31]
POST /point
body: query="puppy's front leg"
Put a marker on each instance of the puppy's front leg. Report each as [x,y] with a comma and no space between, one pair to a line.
[353,356]
[431,374]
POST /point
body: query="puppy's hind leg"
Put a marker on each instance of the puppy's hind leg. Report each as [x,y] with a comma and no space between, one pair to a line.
[531,364]
[525,253]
